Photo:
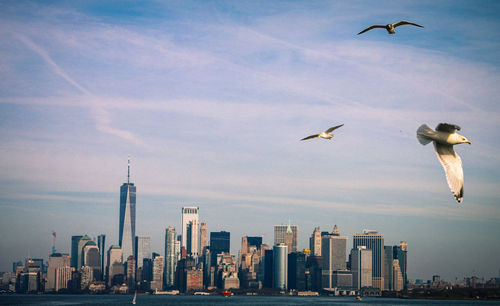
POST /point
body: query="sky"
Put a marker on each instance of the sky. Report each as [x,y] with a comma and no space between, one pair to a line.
[211,98]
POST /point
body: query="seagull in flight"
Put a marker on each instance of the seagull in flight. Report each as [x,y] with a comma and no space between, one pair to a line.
[326,134]
[390,27]
[444,138]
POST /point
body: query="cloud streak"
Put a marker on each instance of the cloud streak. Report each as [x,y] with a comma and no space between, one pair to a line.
[101,116]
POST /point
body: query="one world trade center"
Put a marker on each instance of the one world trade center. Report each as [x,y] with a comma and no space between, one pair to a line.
[127,217]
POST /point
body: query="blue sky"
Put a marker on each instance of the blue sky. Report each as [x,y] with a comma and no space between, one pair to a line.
[210,100]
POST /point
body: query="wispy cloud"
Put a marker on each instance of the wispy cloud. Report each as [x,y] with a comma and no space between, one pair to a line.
[101,116]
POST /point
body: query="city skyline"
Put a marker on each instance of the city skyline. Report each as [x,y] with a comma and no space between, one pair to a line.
[211,100]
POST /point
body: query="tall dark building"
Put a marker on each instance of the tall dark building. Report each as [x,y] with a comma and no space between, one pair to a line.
[219,242]
[268,269]
[388,259]
[74,251]
[127,217]
[297,271]
[101,243]
[314,265]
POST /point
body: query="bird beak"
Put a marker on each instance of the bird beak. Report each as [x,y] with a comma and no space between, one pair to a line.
[468,142]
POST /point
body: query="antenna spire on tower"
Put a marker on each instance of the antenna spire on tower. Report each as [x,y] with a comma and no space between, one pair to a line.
[128,174]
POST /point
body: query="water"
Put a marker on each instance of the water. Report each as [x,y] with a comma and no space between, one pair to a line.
[47,299]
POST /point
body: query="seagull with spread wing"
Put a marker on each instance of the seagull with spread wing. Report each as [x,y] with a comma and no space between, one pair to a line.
[390,27]
[326,134]
[444,138]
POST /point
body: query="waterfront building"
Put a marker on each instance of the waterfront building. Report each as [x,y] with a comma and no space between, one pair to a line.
[131,272]
[190,231]
[333,251]
[280,263]
[115,264]
[56,260]
[157,282]
[388,268]
[315,242]
[361,267]
[282,232]
[314,265]
[297,271]
[397,277]
[400,252]
[86,277]
[63,277]
[268,269]
[194,280]
[127,216]
[342,279]
[375,242]
[170,257]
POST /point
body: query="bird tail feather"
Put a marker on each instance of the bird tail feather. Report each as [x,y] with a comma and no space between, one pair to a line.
[424,134]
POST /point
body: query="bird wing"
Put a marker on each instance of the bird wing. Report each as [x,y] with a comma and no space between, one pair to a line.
[309,137]
[333,128]
[452,165]
[447,127]
[372,27]
[425,134]
[404,22]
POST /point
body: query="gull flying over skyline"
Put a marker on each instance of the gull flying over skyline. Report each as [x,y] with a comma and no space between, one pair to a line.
[444,138]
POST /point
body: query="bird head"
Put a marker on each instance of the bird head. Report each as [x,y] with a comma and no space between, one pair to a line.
[464,140]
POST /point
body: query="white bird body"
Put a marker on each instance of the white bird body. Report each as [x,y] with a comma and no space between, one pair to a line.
[444,138]
[325,135]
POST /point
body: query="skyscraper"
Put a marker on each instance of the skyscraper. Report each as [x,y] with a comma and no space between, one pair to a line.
[190,230]
[74,250]
[280,235]
[297,271]
[142,250]
[203,236]
[101,243]
[361,267]
[157,282]
[400,253]
[56,260]
[280,263]
[91,258]
[333,251]
[397,277]
[375,242]
[127,216]
[81,244]
[115,263]
[170,257]
[219,242]
[315,242]
[388,262]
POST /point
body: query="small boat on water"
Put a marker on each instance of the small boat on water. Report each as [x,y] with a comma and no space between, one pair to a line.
[358,298]
[227,293]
